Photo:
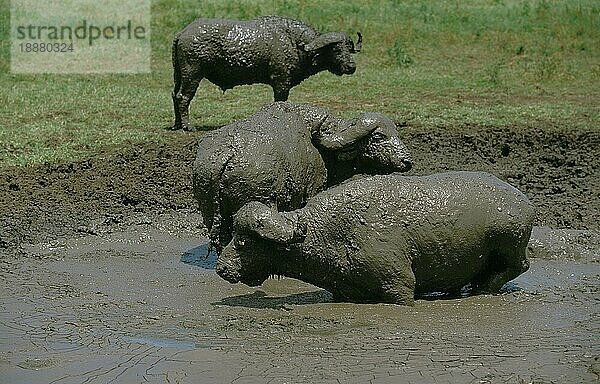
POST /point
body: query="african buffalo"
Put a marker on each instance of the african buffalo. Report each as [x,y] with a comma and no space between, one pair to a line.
[283,155]
[271,50]
[388,238]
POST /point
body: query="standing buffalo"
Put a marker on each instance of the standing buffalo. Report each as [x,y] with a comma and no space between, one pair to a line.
[271,50]
[283,155]
[388,238]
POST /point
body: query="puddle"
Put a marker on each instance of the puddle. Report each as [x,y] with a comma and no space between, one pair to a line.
[36,364]
[200,257]
[146,306]
[559,275]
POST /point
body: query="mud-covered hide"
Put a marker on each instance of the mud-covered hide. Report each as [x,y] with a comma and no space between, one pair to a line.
[271,50]
[389,238]
[284,154]
[268,157]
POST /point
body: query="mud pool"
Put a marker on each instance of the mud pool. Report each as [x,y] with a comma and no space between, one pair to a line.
[111,288]
[143,304]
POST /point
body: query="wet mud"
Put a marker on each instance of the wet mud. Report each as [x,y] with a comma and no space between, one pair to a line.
[145,305]
[105,278]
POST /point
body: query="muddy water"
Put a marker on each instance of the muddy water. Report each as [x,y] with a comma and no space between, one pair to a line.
[144,305]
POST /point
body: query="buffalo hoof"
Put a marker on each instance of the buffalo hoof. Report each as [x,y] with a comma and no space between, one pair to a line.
[185,127]
[189,127]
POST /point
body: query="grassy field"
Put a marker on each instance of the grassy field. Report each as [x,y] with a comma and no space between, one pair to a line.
[446,63]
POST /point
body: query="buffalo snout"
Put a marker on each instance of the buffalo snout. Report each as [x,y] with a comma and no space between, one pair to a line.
[400,156]
[404,165]
[229,264]
[243,261]
[350,68]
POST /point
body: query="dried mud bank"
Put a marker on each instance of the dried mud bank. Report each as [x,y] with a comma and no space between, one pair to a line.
[559,172]
[104,279]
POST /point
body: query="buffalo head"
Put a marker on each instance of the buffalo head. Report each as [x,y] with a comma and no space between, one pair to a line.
[372,139]
[260,234]
[383,150]
[336,49]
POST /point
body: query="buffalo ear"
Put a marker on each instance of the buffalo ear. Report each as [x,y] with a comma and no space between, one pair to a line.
[258,219]
[325,39]
[342,135]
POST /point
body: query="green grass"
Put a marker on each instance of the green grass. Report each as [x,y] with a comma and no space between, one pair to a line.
[485,63]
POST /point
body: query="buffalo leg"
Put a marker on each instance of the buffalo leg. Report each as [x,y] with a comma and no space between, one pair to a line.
[182,96]
[505,265]
[176,95]
[183,99]
[401,286]
[280,94]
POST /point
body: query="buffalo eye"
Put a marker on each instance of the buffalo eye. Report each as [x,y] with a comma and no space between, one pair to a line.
[377,136]
[240,241]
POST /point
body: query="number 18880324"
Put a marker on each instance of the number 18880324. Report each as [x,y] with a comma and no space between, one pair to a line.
[46,47]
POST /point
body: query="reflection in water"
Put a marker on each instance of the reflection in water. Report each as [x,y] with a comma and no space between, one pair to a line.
[200,257]
[465,291]
[544,275]
[163,343]
[259,299]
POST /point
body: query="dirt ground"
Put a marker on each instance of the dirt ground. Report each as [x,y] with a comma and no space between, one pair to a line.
[104,279]
[559,172]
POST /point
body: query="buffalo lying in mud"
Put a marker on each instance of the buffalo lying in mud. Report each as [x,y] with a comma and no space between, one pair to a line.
[388,238]
[271,50]
[283,155]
